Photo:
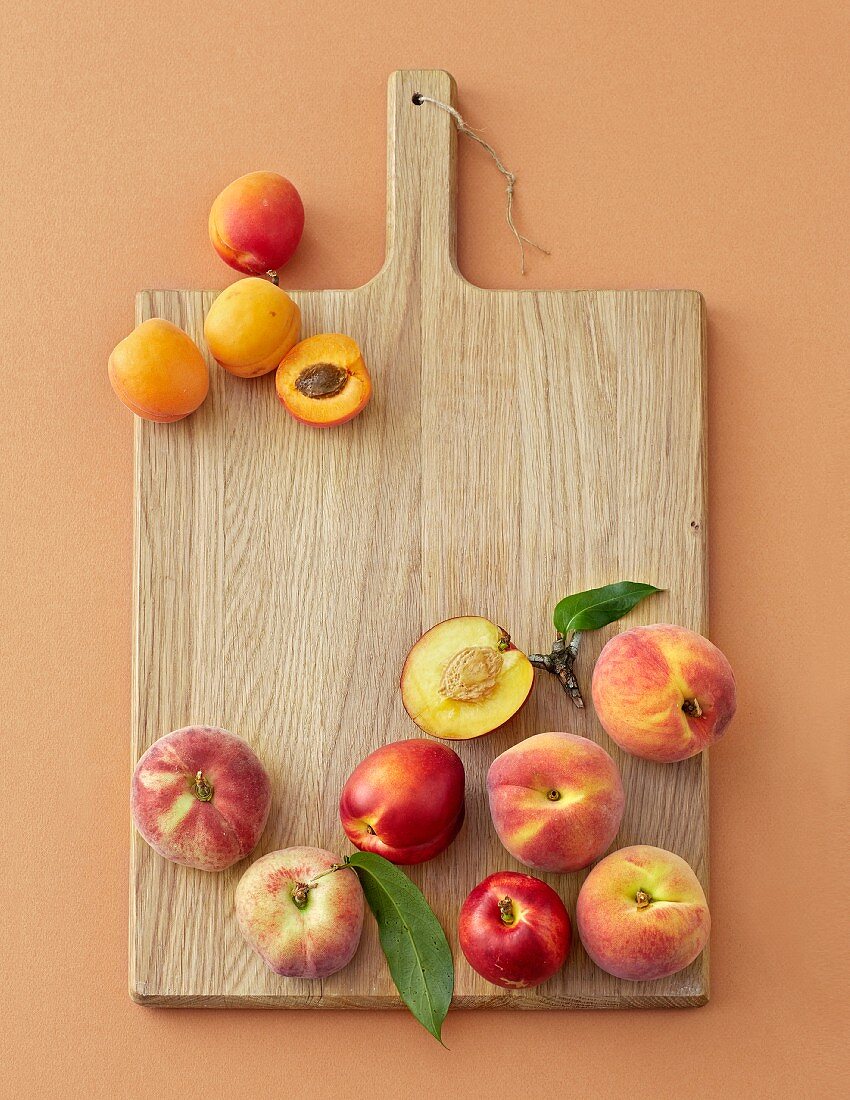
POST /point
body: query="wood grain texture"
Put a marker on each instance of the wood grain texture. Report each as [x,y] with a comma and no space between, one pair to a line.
[519,446]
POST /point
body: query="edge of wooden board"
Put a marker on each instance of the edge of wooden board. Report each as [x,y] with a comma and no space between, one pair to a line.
[497,1002]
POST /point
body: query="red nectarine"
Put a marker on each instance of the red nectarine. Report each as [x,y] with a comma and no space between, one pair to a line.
[514,930]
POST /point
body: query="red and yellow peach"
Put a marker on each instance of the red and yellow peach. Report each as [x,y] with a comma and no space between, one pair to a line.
[556,800]
[302,917]
[404,801]
[642,914]
[663,692]
[201,797]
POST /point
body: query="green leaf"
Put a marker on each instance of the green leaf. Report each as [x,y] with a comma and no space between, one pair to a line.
[599,606]
[415,945]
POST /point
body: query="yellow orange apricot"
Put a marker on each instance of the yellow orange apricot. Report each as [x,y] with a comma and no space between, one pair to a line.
[324,381]
[251,326]
[159,372]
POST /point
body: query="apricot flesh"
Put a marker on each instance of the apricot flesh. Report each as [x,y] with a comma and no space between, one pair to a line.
[256,222]
[158,372]
[463,679]
[251,326]
[323,381]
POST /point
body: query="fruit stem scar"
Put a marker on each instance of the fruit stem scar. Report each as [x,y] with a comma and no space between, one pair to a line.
[553,795]
[692,708]
[201,787]
[300,894]
[301,890]
[273,275]
[506,911]
[321,380]
[369,829]
[560,663]
[643,899]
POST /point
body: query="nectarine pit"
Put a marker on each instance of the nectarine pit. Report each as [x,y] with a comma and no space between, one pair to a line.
[321,380]
[471,674]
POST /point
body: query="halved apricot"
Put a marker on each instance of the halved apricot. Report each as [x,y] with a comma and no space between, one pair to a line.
[324,381]
[464,678]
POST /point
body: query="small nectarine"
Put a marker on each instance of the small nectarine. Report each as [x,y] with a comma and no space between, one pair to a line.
[514,930]
[404,801]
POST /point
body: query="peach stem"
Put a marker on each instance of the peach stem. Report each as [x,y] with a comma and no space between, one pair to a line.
[302,890]
[201,788]
[506,911]
[643,899]
[273,275]
[560,663]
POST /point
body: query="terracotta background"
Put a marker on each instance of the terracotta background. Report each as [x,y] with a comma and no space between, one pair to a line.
[659,144]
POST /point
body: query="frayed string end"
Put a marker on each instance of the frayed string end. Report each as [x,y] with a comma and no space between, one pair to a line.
[521,239]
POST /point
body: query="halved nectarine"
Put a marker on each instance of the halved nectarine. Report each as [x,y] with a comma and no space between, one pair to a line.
[464,678]
[324,381]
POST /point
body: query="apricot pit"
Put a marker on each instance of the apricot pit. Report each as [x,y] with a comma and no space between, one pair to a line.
[323,380]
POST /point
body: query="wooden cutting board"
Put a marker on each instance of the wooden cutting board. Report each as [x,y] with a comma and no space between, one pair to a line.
[520,445]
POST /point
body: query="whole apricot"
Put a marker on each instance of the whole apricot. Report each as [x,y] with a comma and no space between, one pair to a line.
[251,326]
[158,372]
[256,222]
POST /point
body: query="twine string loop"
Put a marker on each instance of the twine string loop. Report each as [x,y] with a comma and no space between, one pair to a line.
[510,176]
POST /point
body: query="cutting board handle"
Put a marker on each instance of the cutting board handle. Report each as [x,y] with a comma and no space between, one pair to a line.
[421,175]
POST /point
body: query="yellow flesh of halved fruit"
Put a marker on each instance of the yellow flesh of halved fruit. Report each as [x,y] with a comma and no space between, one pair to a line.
[457,683]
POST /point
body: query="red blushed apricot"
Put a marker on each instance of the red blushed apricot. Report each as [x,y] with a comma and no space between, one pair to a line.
[323,380]
[158,372]
[256,222]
